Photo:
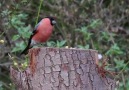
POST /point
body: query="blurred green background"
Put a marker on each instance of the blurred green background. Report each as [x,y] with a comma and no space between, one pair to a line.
[89,24]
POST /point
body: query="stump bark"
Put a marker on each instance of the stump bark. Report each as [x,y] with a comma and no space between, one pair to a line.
[61,69]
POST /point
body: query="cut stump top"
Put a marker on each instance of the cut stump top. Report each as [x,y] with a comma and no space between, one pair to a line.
[61,69]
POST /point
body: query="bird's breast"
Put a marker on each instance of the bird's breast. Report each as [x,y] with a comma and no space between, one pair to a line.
[42,36]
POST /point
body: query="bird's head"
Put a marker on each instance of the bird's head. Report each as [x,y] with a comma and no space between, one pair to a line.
[52,20]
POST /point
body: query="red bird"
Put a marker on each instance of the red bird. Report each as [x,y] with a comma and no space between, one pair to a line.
[41,33]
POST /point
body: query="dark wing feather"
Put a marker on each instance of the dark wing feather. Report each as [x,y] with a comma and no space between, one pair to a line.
[29,41]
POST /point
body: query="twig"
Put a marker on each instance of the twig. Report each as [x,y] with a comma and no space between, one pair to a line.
[123,68]
[6,37]
[41,1]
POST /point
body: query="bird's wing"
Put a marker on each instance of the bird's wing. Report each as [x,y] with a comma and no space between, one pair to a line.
[29,41]
[36,27]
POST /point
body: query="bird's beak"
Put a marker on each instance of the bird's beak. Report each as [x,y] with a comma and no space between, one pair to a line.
[53,22]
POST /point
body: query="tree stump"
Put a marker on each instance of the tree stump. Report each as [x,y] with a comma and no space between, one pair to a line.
[61,69]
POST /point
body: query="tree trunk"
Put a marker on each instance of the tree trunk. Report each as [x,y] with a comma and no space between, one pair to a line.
[61,69]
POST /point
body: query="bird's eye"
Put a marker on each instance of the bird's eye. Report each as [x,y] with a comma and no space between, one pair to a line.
[53,22]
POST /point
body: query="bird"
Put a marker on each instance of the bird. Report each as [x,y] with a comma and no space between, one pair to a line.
[41,33]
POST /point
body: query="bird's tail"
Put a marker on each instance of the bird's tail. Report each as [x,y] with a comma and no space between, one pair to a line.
[25,51]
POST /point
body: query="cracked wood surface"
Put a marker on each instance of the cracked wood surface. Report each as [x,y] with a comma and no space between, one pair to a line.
[61,69]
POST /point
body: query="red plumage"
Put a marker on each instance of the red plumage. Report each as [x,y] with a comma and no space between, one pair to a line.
[41,33]
[44,31]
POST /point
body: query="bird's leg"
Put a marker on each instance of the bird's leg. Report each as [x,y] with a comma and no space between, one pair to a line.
[35,44]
